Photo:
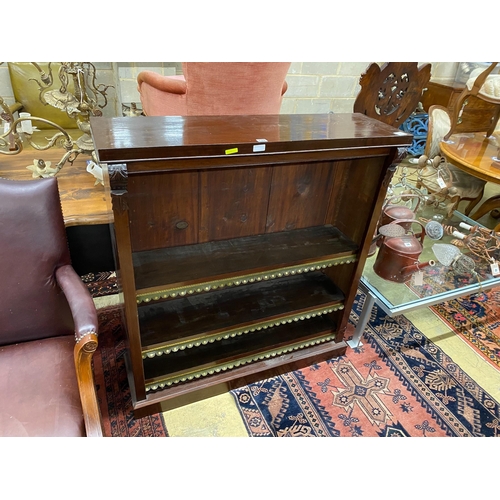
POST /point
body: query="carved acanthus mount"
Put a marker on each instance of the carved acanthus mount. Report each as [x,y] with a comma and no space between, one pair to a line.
[118,180]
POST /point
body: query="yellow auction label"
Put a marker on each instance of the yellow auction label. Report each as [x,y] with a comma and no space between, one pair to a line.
[231,151]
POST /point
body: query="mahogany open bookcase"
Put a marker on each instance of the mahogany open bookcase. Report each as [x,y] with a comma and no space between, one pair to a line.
[239,242]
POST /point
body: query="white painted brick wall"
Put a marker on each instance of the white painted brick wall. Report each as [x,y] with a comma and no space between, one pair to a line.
[6,91]
[322,87]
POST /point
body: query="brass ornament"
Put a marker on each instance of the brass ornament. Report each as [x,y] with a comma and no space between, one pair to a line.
[206,286]
[202,372]
[205,339]
[87,99]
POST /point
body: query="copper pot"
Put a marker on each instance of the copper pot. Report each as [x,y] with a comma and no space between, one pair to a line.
[391,213]
[398,256]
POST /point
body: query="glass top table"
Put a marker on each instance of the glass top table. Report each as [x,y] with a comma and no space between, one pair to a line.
[440,283]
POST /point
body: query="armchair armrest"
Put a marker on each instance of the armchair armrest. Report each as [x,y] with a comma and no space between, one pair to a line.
[171,84]
[86,328]
[162,95]
[79,299]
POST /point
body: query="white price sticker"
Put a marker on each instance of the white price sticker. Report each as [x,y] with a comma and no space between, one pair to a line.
[441,183]
[495,269]
[418,278]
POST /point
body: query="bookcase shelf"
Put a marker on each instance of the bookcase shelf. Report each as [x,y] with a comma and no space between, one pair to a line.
[177,271]
[188,322]
[233,352]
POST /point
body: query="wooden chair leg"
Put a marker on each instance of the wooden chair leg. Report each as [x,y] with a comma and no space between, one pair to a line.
[473,203]
[487,206]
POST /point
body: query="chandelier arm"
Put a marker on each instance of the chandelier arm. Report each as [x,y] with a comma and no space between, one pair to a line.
[48,122]
[51,141]
[70,156]
[17,144]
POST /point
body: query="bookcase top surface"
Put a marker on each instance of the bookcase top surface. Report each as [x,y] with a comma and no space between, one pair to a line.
[141,138]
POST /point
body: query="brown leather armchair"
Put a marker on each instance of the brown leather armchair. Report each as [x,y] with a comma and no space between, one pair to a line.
[224,88]
[48,321]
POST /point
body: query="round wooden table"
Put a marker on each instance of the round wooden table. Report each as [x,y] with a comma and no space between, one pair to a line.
[479,156]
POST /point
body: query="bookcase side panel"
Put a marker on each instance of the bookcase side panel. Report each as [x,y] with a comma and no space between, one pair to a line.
[117,185]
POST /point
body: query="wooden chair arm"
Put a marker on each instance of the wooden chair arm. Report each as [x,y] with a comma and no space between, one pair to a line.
[84,350]
[86,326]
[473,93]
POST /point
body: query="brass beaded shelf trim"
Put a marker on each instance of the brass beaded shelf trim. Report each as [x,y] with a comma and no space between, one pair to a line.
[263,325]
[245,279]
[205,372]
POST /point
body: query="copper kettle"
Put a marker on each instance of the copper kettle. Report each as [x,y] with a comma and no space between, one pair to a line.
[391,213]
[398,256]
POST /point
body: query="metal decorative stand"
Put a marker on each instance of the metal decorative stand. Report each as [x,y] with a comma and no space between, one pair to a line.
[417,124]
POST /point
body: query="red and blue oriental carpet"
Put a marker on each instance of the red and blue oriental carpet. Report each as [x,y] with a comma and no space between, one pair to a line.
[113,392]
[475,318]
[396,384]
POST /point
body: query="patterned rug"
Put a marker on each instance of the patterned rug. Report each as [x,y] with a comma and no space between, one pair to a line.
[397,383]
[113,390]
[101,284]
[475,317]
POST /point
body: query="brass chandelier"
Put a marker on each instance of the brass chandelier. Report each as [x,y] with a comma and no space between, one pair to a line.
[87,98]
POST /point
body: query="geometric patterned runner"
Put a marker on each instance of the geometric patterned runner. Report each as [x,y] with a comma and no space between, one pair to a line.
[477,320]
[113,392]
[398,383]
